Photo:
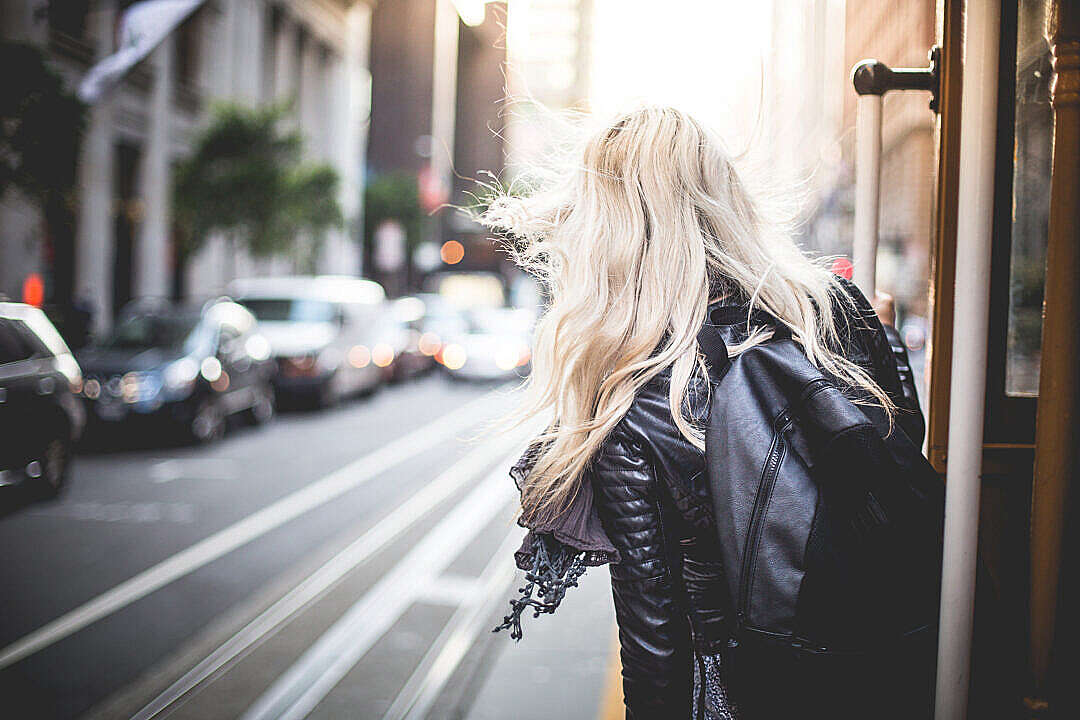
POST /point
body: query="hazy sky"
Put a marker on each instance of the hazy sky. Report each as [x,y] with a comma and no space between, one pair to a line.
[704,56]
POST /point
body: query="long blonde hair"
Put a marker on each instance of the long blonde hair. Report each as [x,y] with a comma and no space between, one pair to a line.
[629,242]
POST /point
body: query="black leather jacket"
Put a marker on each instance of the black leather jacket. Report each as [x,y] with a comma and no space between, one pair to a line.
[652,498]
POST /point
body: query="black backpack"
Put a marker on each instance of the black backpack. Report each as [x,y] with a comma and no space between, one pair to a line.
[830,522]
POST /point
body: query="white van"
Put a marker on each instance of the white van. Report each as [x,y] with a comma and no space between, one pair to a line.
[323,333]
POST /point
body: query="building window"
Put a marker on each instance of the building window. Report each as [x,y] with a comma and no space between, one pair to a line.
[1032,151]
[186,46]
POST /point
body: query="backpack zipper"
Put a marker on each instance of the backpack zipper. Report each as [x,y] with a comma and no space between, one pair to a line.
[761,500]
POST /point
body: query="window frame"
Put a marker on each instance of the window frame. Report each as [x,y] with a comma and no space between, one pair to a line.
[1009,419]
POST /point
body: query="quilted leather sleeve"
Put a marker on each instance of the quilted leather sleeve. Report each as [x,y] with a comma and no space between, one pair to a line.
[654,632]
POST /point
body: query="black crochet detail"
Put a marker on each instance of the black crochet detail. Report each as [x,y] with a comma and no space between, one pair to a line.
[555,569]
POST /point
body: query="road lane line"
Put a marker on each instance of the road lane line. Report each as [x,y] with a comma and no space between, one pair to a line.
[251,527]
[303,686]
[169,469]
[471,619]
[451,590]
[392,526]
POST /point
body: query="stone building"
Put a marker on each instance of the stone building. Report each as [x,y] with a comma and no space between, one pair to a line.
[313,52]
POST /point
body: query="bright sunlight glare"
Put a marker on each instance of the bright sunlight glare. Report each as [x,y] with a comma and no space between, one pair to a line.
[705,56]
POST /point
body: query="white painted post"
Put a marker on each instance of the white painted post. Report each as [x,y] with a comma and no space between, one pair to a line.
[358,88]
[444,90]
[867,191]
[94,238]
[975,203]
[152,251]
[285,60]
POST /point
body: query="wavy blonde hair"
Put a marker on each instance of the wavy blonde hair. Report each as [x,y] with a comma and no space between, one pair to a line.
[630,241]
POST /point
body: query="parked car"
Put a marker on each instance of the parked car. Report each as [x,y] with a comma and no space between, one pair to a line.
[403,329]
[324,333]
[41,417]
[189,367]
[442,320]
[494,345]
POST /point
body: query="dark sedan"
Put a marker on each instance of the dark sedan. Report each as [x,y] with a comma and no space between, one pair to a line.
[187,367]
[40,415]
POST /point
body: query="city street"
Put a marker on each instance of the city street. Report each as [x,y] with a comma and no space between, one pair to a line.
[346,563]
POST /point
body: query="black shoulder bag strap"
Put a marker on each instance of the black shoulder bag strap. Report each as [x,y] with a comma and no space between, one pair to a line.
[712,343]
[714,349]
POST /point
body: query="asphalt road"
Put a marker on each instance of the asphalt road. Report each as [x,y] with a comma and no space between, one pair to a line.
[347,563]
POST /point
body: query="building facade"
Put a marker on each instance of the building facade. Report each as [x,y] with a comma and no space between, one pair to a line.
[810,130]
[899,35]
[549,76]
[437,100]
[312,53]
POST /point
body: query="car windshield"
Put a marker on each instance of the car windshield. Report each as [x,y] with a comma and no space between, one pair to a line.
[151,331]
[290,309]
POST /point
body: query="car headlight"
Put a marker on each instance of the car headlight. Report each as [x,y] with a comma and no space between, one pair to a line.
[359,356]
[210,369]
[507,356]
[454,356]
[382,354]
[429,343]
[140,387]
[257,347]
[179,376]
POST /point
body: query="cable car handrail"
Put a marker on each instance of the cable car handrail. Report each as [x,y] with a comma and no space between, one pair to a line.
[872,79]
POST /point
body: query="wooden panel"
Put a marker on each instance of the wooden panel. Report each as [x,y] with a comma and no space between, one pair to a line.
[943,252]
[1059,379]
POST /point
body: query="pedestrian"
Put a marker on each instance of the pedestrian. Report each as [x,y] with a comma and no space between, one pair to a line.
[651,229]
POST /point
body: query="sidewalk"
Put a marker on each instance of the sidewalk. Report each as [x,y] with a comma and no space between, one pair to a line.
[563,666]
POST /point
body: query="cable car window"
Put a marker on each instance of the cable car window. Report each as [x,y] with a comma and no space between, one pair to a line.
[1033,144]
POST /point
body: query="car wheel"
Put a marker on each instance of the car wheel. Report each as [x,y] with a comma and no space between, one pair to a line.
[263,409]
[208,424]
[50,472]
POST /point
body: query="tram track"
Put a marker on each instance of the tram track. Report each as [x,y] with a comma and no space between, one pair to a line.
[314,586]
[247,529]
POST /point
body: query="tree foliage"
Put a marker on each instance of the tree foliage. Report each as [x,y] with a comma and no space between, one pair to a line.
[394,196]
[41,126]
[246,179]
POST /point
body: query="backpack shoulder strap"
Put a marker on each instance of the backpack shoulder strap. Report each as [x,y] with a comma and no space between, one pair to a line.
[714,349]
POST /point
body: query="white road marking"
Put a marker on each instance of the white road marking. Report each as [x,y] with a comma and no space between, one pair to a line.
[451,590]
[122,512]
[251,527]
[461,473]
[472,618]
[164,471]
[303,686]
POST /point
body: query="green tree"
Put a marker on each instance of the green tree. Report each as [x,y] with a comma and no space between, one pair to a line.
[245,178]
[41,127]
[394,196]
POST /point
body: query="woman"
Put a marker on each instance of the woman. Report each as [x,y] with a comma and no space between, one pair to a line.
[650,229]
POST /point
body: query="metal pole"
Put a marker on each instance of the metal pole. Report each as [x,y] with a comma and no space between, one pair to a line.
[975,201]
[867,191]
[872,79]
